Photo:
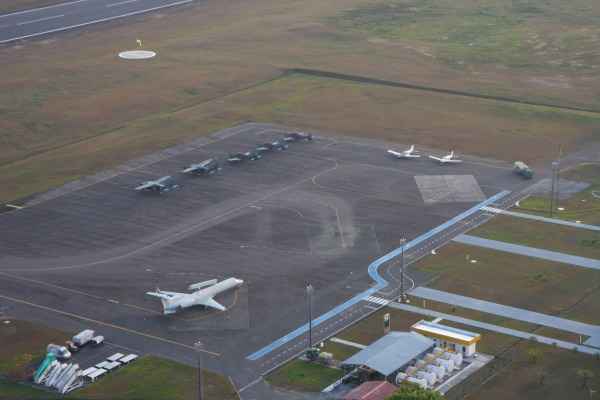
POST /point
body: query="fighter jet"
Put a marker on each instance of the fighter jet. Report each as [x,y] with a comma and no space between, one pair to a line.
[239,157]
[446,158]
[202,168]
[295,136]
[268,146]
[157,185]
[203,295]
[405,153]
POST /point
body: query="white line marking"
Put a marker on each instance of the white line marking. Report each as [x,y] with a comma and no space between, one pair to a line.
[118,4]
[42,8]
[38,20]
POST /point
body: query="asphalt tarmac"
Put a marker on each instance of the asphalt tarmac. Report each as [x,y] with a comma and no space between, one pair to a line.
[319,213]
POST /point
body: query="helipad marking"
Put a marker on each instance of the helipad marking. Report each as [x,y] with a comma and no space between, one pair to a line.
[137,54]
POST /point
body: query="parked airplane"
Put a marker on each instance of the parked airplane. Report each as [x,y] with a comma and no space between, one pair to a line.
[203,295]
[268,146]
[157,185]
[295,136]
[239,157]
[202,168]
[446,158]
[405,153]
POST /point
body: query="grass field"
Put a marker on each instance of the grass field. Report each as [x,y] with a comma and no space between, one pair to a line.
[542,235]
[72,107]
[510,279]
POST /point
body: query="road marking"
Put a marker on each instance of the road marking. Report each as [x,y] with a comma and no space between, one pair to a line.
[118,4]
[13,206]
[42,19]
[106,324]
[377,300]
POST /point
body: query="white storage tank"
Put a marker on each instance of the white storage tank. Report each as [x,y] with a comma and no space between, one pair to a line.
[439,370]
[454,356]
[446,362]
[401,377]
[429,376]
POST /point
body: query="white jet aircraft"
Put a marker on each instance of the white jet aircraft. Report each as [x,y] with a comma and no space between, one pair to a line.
[405,153]
[203,295]
[446,158]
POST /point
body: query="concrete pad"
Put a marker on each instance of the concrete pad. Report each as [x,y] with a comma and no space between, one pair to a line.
[565,188]
[449,188]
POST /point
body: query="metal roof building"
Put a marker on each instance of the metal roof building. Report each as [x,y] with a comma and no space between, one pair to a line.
[462,341]
[392,351]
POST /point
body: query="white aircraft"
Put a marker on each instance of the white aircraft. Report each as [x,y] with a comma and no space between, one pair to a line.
[202,168]
[157,185]
[405,153]
[446,158]
[203,295]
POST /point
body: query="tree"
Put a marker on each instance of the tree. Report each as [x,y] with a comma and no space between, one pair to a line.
[541,376]
[533,355]
[583,375]
[533,340]
[414,393]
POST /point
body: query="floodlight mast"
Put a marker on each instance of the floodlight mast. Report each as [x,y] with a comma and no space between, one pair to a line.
[310,290]
[402,242]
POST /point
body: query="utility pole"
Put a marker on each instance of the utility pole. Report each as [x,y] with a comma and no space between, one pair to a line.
[557,175]
[402,242]
[199,347]
[310,290]
[552,189]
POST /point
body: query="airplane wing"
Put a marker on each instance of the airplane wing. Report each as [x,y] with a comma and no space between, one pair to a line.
[452,160]
[211,303]
[161,180]
[160,295]
[395,153]
[194,167]
[412,156]
[145,186]
[435,158]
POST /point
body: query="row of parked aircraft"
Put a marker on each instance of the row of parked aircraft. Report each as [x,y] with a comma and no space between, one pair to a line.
[164,185]
[448,158]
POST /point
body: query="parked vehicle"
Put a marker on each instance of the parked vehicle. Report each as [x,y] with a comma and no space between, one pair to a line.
[83,337]
[96,341]
[60,352]
[523,170]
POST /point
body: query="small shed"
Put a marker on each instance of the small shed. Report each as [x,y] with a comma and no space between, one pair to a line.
[462,341]
[371,390]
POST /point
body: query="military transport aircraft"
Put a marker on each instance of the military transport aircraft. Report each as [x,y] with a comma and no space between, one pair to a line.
[295,136]
[157,185]
[446,158]
[203,295]
[202,168]
[268,146]
[239,157]
[405,153]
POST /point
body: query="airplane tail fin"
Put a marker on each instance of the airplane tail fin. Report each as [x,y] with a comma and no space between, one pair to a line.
[452,154]
[412,148]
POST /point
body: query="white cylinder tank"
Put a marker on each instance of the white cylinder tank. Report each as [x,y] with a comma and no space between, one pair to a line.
[454,356]
[427,375]
[401,377]
[447,363]
[439,370]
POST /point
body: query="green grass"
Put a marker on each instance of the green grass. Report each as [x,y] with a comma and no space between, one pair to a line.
[510,279]
[541,235]
[305,376]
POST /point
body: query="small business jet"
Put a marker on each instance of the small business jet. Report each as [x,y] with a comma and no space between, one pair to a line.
[202,168]
[405,153]
[157,185]
[446,158]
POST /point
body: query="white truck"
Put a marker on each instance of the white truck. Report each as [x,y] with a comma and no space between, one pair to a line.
[83,337]
[60,352]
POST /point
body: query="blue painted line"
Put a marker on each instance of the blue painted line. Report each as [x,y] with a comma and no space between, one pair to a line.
[373,273]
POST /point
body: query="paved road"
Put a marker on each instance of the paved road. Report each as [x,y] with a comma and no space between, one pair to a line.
[529,251]
[74,14]
[551,220]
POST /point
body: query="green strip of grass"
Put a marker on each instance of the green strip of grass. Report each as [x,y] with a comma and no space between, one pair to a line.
[304,376]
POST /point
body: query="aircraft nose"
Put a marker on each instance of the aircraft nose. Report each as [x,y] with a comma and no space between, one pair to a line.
[239,282]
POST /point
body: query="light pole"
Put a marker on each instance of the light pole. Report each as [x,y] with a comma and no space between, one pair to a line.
[552,188]
[402,242]
[199,347]
[310,290]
